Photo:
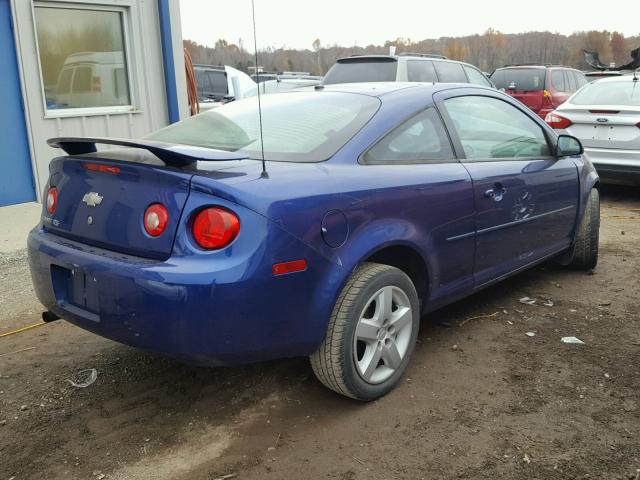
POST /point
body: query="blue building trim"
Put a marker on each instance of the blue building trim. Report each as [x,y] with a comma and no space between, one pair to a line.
[16,181]
[169,62]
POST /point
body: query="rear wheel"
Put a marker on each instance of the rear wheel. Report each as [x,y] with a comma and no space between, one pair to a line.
[585,250]
[371,333]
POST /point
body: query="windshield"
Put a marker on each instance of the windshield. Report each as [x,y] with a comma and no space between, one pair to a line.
[609,93]
[526,79]
[297,126]
[362,70]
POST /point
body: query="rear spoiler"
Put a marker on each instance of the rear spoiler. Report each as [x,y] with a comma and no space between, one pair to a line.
[170,153]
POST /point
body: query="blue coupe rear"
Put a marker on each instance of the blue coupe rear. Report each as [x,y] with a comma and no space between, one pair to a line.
[181,244]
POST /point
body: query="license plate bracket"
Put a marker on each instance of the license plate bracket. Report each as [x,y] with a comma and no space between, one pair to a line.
[75,287]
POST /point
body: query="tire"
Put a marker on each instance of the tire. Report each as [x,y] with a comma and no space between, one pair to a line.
[585,250]
[366,367]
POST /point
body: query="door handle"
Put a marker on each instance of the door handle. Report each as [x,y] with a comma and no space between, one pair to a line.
[496,193]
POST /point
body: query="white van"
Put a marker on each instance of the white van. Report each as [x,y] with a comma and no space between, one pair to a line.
[92,79]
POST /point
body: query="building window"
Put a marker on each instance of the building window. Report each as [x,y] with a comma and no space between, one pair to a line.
[83,59]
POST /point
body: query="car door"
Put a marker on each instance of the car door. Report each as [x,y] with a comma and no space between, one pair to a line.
[434,192]
[525,199]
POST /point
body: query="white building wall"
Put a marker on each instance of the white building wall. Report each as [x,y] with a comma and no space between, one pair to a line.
[147,80]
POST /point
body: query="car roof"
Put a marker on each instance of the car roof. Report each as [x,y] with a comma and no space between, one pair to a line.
[408,56]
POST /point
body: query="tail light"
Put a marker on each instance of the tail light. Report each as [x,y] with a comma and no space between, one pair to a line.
[546,94]
[95,167]
[638,124]
[557,121]
[215,228]
[52,200]
[156,218]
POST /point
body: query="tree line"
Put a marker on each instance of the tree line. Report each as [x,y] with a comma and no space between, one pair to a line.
[488,51]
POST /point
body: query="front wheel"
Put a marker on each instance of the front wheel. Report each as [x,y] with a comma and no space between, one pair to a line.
[371,333]
[585,250]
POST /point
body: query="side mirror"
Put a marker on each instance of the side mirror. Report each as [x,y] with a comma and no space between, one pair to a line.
[568,146]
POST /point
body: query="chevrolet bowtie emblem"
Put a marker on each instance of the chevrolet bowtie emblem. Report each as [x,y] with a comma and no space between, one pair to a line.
[92,199]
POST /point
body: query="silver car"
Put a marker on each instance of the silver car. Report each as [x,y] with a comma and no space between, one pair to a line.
[605,116]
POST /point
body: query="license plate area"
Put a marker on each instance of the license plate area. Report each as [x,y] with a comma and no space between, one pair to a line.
[604,132]
[76,288]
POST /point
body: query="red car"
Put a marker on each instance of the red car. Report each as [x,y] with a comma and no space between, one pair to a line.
[542,88]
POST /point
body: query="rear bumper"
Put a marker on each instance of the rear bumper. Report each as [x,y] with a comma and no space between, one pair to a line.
[616,166]
[209,310]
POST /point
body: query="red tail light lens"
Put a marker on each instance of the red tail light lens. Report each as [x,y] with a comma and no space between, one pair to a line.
[94,167]
[215,228]
[52,200]
[557,121]
[638,124]
[156,218]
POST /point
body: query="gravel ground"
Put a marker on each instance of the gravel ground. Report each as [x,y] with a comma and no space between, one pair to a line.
[481,398]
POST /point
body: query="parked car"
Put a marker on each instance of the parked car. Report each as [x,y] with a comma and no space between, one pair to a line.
[216,84]
[375,204]
[605,116]
[405,67]
[540,87]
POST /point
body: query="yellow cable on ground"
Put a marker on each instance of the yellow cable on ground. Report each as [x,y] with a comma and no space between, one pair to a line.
[23,329]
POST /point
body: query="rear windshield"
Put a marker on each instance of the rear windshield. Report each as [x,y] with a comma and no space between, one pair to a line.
[527,79]
[362,70]
[609,93]
[297,126]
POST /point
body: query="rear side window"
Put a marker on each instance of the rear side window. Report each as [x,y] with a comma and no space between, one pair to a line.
[218,82]
[210,82]
[419,139]
[491,128]
[421,71]
[450,72]
[523,79]
[570,81]
[557,80]
[581,80]
[477,77]
[362,70]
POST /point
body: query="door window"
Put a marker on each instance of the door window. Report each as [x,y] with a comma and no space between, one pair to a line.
[93,43]
[490,128]
[420,139]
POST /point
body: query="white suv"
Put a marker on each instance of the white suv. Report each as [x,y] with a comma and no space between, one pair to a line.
[405,67]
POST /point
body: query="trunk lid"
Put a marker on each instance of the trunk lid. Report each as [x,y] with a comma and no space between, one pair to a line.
[604,126]
[106,208]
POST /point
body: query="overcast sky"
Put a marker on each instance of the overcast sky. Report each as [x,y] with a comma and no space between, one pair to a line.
[298,23]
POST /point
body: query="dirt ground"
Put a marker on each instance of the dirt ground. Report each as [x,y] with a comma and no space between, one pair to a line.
[481,399]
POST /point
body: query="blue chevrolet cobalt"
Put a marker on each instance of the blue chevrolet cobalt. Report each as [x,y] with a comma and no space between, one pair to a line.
[375,204]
